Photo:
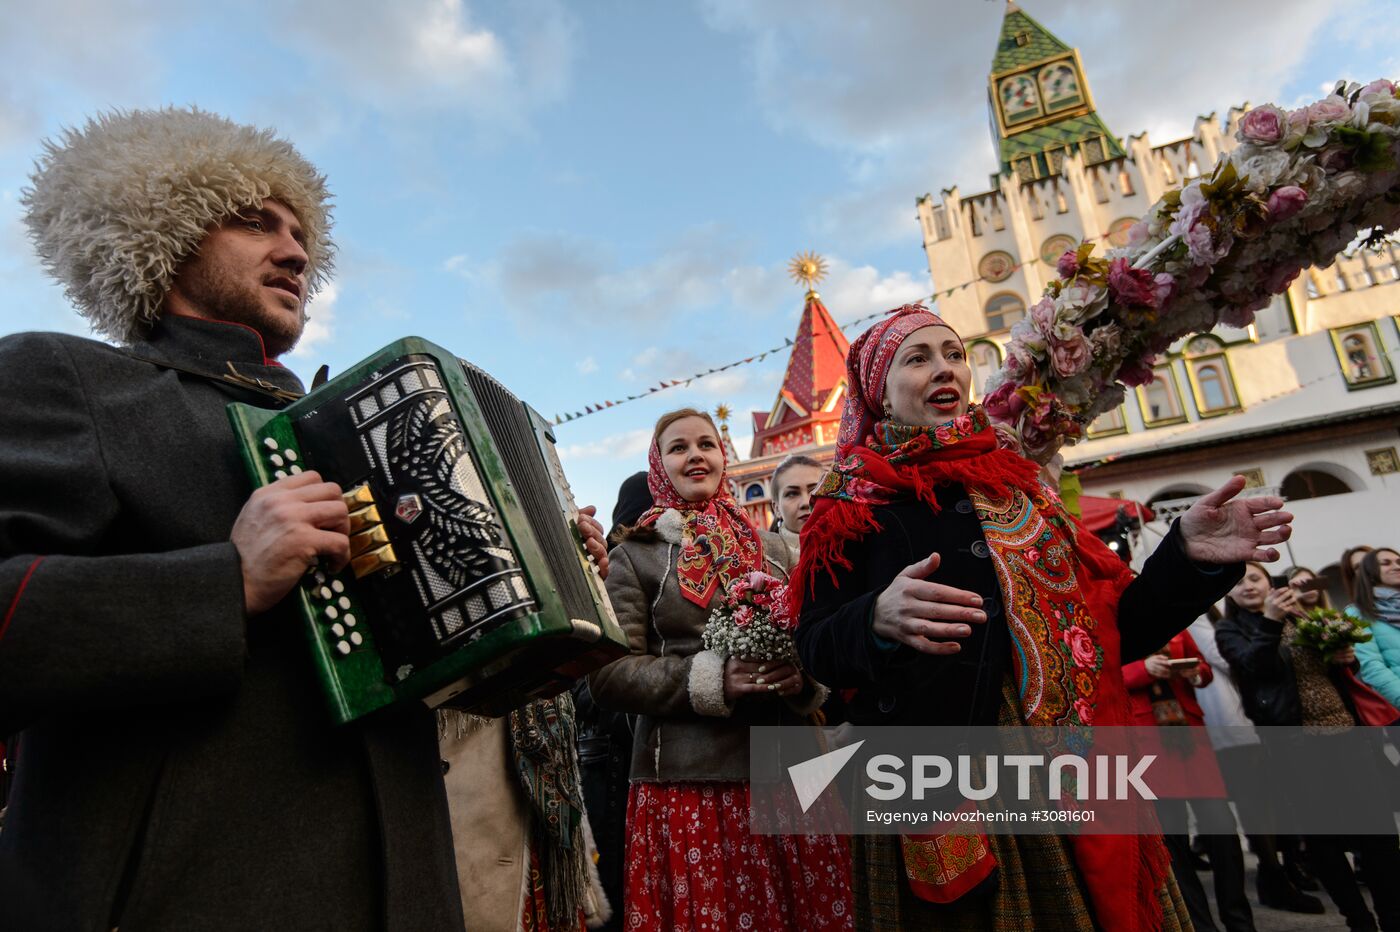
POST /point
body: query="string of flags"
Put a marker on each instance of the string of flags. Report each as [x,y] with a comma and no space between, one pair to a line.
[668,384]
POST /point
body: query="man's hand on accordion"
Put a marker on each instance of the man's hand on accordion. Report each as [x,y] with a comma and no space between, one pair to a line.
[595,539]
[283,529]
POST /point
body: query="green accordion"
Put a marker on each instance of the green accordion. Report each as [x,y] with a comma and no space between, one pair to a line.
[468,583]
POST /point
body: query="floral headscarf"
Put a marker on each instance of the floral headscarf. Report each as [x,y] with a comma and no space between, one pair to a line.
[718,542]
[868,365]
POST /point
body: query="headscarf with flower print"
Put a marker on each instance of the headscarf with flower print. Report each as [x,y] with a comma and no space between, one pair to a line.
[1059,585]
[718,541]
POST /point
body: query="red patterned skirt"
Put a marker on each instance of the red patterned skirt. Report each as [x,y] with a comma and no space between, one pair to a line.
[693,865]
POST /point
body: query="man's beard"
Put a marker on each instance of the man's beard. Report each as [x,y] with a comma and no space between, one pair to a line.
[220,295]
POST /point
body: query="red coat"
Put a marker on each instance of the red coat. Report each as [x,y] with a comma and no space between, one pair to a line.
[1138,681]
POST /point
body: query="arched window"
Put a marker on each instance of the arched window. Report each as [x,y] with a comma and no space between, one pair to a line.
[985,359]
[1312,483]
[1003,310]
[1108,423]
[1211,379]
[754,492]
[1161,399]
[1212,383]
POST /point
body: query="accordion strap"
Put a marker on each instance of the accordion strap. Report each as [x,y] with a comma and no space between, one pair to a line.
[231,377]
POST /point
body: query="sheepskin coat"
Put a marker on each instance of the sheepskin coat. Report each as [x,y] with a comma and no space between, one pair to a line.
[686,731]
[176,767]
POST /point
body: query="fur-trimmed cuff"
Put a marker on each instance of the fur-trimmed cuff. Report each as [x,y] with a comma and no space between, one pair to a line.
[706,685]
[805,703]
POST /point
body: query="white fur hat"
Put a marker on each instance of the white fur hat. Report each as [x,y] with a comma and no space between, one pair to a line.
[116,206]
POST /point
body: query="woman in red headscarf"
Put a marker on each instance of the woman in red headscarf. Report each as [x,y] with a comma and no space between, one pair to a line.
[691,861]
[945,585]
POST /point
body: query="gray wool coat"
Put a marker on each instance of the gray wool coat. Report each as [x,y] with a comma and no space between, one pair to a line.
[686,731]
[175,767]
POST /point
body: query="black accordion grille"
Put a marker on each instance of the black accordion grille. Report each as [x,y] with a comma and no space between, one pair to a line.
[514,436]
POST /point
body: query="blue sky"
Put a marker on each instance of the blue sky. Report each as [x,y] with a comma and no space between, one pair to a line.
[588,198]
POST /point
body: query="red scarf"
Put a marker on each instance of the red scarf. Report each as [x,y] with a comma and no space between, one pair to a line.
[718,541]
[1060,586]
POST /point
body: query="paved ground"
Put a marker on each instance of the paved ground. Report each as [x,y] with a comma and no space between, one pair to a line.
[1275,920]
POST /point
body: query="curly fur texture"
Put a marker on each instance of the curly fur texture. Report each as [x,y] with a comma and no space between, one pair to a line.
[116,206]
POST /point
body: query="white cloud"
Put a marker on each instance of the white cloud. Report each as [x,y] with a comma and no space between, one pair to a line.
[900,87]
[439,54]
[628,445]
[320,322]
[586,366]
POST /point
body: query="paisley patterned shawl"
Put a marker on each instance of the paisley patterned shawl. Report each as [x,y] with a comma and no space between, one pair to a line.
[1060,586]
[718,541]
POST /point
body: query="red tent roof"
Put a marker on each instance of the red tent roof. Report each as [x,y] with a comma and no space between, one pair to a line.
[1099,514]
[818,359]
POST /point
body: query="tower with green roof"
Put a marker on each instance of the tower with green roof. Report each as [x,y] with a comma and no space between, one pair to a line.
[1041,108]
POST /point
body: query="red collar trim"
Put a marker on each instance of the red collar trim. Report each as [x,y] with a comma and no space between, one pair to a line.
[262,347]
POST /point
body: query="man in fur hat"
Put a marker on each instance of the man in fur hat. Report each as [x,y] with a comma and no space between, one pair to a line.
[175,767]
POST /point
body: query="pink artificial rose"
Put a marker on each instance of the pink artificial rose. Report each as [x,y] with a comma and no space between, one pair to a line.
[1137,372]
[1163,288]
[1085,709]
[1264,125]
[760,582]
[743,615]
[1068,264]
[1281,277]
[1286,201]
[1003,403]
[1042,314]
[1379,87]
[1072,356]
[1133,287]
[1138,233]
[1081,647]
[1330,109]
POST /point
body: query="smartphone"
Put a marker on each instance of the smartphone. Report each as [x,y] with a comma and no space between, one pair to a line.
[1184,663]
[1316,584]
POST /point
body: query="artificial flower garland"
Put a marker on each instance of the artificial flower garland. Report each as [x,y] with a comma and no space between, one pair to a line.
[1299,189]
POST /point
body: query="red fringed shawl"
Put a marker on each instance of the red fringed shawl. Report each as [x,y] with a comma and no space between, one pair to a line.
[1060,585]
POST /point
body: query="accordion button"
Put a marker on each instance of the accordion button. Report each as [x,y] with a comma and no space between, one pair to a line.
[332,612]
[338,630]
[277,460]
[356,638]
[344,603]
[291,455]
[296,470]
[280,474]
[320,578]
[336,585]
[343,647]
[324,592]
[349,621]
[270,443]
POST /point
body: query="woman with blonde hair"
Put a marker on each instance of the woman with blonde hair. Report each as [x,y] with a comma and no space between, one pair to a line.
[691,861]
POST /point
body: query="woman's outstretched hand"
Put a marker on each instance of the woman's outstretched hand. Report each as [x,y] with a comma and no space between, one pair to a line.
[1222,529]
[924,614]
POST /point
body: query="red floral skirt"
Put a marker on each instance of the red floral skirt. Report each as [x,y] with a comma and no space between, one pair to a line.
[693,865]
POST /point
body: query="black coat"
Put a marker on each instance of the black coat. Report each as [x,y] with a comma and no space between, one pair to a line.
[1260,663]
[176,769]
[906,687]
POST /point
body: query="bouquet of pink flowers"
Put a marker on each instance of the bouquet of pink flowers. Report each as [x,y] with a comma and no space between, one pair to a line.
[1301,187]
[1328,631]
[753,621]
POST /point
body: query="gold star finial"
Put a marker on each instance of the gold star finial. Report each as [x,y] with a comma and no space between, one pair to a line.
[723,412]
[807,268]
